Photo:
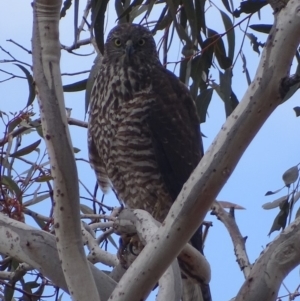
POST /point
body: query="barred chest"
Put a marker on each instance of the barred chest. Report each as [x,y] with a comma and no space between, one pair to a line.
[120,99]
[125,144]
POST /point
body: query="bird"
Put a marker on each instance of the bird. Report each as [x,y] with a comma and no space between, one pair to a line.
[144,137]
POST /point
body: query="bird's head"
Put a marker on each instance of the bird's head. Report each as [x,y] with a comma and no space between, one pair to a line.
[130,44]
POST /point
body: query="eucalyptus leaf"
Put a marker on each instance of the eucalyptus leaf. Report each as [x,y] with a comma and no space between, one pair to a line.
[202,103]
[36,199]
[45,178]
[85,209]
[281,218]
[75,87]
[264,28]
[230,34]
[273,192]
[12,186]
[26,150]
[29,175]
[31,85]
[297,111]
[276,203]
[290,176]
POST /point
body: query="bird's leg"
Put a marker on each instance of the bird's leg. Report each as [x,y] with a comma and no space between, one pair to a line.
[122,251]
[128,245]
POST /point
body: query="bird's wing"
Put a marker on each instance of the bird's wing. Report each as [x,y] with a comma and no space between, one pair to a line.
[175,130]
[176,138]
[98,165]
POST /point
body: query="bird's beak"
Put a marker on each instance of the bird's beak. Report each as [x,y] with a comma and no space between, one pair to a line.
[129,49]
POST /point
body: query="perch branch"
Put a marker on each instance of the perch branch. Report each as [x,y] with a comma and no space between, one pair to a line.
[141,222]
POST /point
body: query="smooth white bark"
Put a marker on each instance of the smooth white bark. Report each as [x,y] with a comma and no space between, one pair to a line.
[140,222]
[46,71]
[279,258]
[38,249]
[170,285]
[96,253]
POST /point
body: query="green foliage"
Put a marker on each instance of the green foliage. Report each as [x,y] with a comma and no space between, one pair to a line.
[29,77]
[285,203]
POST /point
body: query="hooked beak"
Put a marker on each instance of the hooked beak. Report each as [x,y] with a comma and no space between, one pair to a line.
[129,50]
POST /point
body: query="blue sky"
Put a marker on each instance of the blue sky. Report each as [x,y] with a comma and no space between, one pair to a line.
[275,149]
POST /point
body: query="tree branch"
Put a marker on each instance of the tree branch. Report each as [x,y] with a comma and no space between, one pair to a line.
[238,240]
[96,253]
[140,222]
[22,129]
[279,258]
[192,262]
[46,71]
[170,285]
[38,249]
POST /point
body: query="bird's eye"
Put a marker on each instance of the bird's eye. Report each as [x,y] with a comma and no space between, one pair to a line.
[141,42]
[118,42]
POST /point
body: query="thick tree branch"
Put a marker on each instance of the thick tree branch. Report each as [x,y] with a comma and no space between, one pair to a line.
[46,71]
[197,195]
[140,222]
[38,249]
[279,258]
[131,222]
[170,286]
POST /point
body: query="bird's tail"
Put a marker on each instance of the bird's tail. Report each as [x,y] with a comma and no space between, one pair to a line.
[195,292]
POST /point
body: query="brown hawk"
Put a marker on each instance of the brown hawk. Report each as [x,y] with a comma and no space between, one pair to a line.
[144,137]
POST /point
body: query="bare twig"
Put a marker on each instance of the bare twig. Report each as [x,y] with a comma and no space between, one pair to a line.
[97,216]
[8,53]
[84,17]
[237,239]
[22,47]
[37,215]
[77,46]
[12,75]
[104,235]
[96,253]
[22,129]
[80,123]
[76,73]
[13,58]
[101,225]
[94,198]
[5,80]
